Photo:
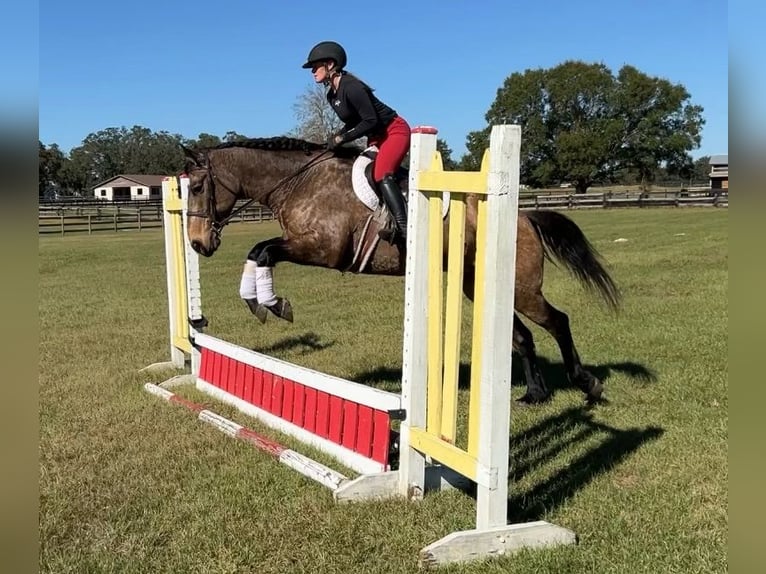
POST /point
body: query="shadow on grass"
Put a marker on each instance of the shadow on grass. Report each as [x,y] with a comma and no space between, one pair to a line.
[547,440]
[580,448]
[306,343]
[553,374]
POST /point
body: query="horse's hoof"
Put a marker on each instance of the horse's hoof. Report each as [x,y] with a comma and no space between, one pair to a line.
[282,309]
[257,309]
[594,392]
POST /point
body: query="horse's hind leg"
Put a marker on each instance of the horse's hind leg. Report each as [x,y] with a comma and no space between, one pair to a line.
[524,344]
[537,308]
[257,286]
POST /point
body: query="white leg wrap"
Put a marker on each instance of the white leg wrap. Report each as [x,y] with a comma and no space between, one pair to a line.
[247,285]
[264,286]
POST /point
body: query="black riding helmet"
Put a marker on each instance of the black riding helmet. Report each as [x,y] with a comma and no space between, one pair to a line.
[327,51]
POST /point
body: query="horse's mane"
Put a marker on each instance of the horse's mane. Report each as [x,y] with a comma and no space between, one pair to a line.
[284,143]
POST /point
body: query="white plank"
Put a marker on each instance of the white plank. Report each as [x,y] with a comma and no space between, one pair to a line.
[499,541]
[415,356]
[497,338]
[369,487]
[312,469]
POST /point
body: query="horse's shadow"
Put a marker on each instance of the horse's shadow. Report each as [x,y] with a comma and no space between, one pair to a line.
[553,373]
[590,448]
[306,343]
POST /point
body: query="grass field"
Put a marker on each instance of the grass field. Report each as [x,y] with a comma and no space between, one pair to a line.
[131,484]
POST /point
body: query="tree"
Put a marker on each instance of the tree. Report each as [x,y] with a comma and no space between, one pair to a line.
[50,161]
[701,169]
[204,140]
[447,162]
[581,124]
[232,136]
[112,151]
[75,175]
[316,119]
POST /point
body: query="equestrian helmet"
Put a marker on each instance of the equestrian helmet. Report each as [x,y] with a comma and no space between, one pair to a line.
[327,51]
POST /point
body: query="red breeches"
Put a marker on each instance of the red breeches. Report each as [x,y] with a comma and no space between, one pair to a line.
[392,146]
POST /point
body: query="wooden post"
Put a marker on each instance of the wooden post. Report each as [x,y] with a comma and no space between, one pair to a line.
[489,419]
[414,359]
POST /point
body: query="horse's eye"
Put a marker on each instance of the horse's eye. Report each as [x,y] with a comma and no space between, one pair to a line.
[197,187]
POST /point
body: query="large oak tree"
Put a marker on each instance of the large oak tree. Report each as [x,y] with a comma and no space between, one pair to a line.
[583,125]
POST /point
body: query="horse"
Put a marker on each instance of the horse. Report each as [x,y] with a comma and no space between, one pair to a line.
[309,191]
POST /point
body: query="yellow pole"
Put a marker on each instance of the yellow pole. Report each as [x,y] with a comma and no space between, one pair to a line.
[435,271]
[453,316]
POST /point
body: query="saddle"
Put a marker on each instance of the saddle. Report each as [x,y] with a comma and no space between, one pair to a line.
[380,218]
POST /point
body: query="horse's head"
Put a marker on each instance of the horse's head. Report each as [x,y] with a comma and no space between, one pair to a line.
[212,196]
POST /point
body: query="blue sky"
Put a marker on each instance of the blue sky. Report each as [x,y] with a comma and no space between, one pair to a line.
[191,67]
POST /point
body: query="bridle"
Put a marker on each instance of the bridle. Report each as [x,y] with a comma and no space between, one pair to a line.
[210,213]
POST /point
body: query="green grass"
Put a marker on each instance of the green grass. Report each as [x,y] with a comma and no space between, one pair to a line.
[131,484]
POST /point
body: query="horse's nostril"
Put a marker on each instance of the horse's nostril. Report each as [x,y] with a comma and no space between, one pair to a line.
[196,245]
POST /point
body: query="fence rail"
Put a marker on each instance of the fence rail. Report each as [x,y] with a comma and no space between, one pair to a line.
[86,218]
[64,220]
[617,199]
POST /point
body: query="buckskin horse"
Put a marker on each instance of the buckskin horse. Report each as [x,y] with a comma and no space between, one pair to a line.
[310,193]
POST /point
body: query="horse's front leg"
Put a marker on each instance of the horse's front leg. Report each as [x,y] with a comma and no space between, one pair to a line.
[257,285]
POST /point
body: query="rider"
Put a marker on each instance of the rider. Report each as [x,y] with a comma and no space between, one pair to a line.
[363,114]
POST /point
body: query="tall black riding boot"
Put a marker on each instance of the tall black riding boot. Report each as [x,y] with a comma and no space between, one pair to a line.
[392,196]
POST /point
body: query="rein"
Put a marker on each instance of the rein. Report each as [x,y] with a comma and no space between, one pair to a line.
[211,214]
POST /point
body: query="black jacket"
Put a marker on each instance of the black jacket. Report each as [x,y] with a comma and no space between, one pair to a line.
[362,113]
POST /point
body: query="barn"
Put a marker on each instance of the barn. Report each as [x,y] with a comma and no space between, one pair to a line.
[719,172]
[129,188]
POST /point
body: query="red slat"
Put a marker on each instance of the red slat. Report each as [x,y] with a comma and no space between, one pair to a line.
[257,399]
[268,384]
[323,415]
[336,419]
[287,400]
[299,406]
[277,391]
[381,436]
[239,380]
[310,412]
[350,417]
[229,370]
[205,363]
[215,377]
[247,395]
[364,432]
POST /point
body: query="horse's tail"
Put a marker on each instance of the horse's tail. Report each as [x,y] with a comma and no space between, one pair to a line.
[562,238]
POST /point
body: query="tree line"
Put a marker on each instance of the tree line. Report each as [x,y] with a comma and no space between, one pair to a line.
[582,126]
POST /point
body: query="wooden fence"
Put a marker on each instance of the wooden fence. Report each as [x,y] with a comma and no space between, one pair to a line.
[86,219]
[93,217]
[615,199]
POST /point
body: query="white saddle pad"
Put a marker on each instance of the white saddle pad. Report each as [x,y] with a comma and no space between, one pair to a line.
[364,191]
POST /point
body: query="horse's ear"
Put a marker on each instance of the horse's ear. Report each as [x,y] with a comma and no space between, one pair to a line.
[194,158]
